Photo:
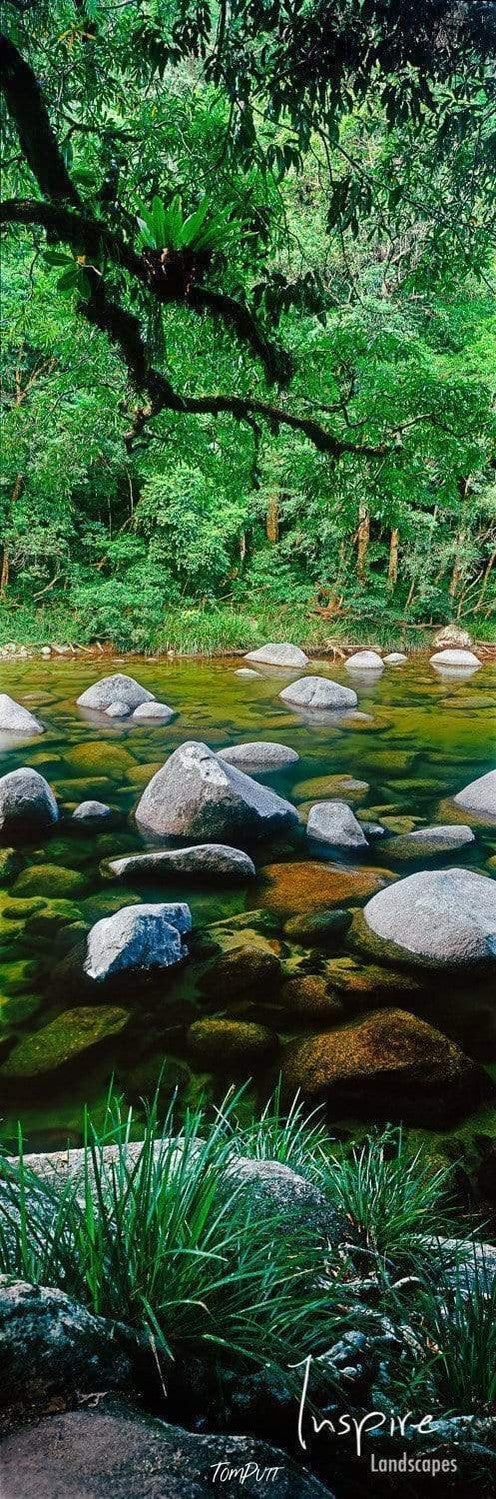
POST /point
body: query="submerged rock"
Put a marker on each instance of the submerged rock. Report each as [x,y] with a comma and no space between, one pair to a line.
[136,939]
[318,693]
[306,886]
[395,658]
[101,759]
[203,861]
[63,1042]
[430,843]
[51,881]
[480,795]
[447,916]
[27,804]
[198,794]
[364,661]
[92,811]
[10,865]
[319,788]
[246,671]
[235,1044]
[455,658]
[118,709]
[388,1064]
[318,928]
[335,823]
[15,719]
[126,1455]
[116,688]
[282,654]
[250,968]
[308,998]
[262,755]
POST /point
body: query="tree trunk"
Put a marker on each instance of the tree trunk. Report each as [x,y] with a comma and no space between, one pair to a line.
[393,557]
[272,517]
[457,573]
[4,578]
[363,538]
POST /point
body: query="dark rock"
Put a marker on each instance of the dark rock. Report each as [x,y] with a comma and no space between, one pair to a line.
[246,969]
[49,1343]
[230,1044]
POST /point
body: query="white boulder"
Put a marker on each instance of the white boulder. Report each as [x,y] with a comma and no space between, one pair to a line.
[118,688]
[279,654]
[319,692]
[137,939]
[334,822]
[443,916]
[14,719]
[460,659]
[196,794]
[149,712]
[480,795]
[364,661]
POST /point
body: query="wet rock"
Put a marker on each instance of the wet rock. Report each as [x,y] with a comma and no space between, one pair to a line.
[335,823]
[445,916]
[430,843]
[117,709]
[128,1456]
[318,928]
[27,804]
[92,811]
[15,719]
[62,1043]
[203,861]
[282,654]
[459,659]
[388,1064]
[262,755]
[304,887]
[318,788]
[247,969]
[116,688]
[364,661]
[310,998]
[270,1189]
[10,865]
[51,1345]
[366,984]
[153,712]
[50,880]
[467,1265]
[102,758]
[246,671]
[479,796]
[318,692]
[197,794]
[136,939]
[395,658]
[232,1044]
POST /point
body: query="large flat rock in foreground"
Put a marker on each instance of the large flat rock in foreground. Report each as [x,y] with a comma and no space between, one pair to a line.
[443,917]
[91,1454]
[196,794]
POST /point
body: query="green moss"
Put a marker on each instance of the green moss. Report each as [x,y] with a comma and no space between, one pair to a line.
[15,1009]
[10,865]
[318,928]
[66,1039]
[50,880]
[102,758]
[326,788]
[18,976]
[308,998]
[234,1045]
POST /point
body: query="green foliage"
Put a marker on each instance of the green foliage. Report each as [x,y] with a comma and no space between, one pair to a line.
[198,232]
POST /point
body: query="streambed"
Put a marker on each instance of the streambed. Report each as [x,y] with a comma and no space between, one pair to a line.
[425,736]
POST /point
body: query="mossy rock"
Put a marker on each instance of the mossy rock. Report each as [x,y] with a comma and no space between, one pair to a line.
[388,1065]
[155,1076]
[318,928]
[102,758]
[19,910]
[16,977]
[10,865]
[106,902]
[63,1042]
[15,1009]
[53,914]
[100,788]
[400,825]
[258,927]
[308,998]
[50,880]
[390,760]
[369,983]
[296,889]
[245,969]
[142,774]
[231,1045]
[328,788]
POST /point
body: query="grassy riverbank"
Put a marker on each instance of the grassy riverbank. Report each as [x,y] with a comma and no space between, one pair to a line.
[213,630]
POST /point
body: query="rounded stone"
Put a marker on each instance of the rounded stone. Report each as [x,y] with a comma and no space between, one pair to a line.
[395,658]
[153,712]
[27,804]
[308,998]
[92,811]
[430,843]
[455,658]
[203,861]
[319,788]
[318,928]
[246,969]
[116,688]
[197,794]
[281,653]
[446,916]
[261,755]
[364,661]
[51,881]
[14,719]
[117,709]
[246,671]
[300,888]
[451,636]
[336,824]
[238,1045]
[63,1042]
[480,795]
[318,693]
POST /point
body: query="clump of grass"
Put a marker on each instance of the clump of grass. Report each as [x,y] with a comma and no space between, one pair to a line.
[388,1195]
[291,1136]
[459,1321]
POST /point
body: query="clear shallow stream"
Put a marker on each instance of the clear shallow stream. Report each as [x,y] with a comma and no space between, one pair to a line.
[429,736]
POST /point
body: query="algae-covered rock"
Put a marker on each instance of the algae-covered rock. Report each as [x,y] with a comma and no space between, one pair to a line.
[63,1042]
[430,843]
[15,1010]
[50,880]
[388,1064]
[116,688]
[368,983]
[261,755]
[298,888]
[102,758]
[27,804]
[318,928]
[198,795]
[319,788]
[230,1044]
[246,969]
[10,866]
[17,976]
[309,998]
[52,915]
